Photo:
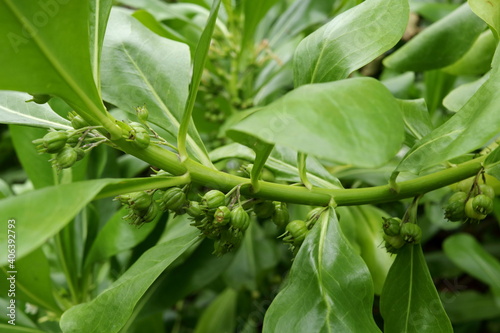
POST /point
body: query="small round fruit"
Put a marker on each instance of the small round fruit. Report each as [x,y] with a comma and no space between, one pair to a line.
[65,158]
[280,216]
[142,113]
[173,199]
[194,209]
[40,98]
[152,211]
[482,204]
[393,243]
[411,233]
[222,215]
[140,201]
[77,121]
[213,199]
[54,142]
[471,213]
[455,211]
[487,190]
[298,230]
[391,226]
[465,185]
[264,210]
[140,136]
[314,214]
[239,218]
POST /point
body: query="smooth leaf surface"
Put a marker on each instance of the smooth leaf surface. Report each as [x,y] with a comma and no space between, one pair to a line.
[142,68]
[439,45]
[36,220]
[99,14]
[350,41]
[7,328]
[282,163]
[409,301]
[344,121]
[110,310]
[15,110]
[459,96]
[489,11]
[416,117]
[468,254]
[220,316]
[470,128]
[328,289]
[41,55]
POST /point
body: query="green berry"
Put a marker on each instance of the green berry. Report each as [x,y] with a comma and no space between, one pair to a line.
[411,233]
[264,210]
[487,190]
[222,215]
[280,216]
[471,213]
[391,226]
[65,158]
[142,113]
[482,204]
[173,199]
[40,98]
[194,209]
[298,231]
[239,218]
[140,201]
[393,243]
[77,121]
[213,199]
[140,135]
[152,211]
[455,211]
[465,185]
[52,142]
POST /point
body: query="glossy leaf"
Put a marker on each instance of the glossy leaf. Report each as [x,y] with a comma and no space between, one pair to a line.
[35,287]
[254,11]
[220,316]
[459,96]
[110,310]
[409,301]
[470,128]
[130,53]
[40,49]
[99,14]
[489,11]
[344,121]
[15,110]
[468,254]
[350,41]
[37,221]
[328,289]
[439,45]
[282,163]
[416,117]
[116,236]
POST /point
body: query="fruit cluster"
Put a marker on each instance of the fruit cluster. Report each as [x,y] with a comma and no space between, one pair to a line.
[397,233]
[471,202]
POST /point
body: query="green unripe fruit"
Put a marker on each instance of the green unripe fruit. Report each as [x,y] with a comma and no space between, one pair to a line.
[140,201]
[465,185]
[142,113]
[298,230]
[239,218]
[80,154]
[264,210]
[65,158]
[40,98]
[411,233]
[77,121]
[393,243]
[173,199]
[487,190]
[455,211]
[151,213]
[458,196]
[280,215]
[194,209]
[471,213]
[222,215]
[391,226]
[140,136]
[482,204]
[52,142]
[213,199]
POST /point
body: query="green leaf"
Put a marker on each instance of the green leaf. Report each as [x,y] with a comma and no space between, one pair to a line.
[254,11]
[220,316]
[439,45]
[35,287]
[37,221]
[18,329]
[468,254]
[350,41]
[409,301]
[150,21]
[328,289]
[470,128]
[15,110]
[99,14]
[142,68]
[110,310]
[344,121]
[43,56]
[469,305]
[36,166]
[416,117]
[117,236]
[459,96]
[489,11]
[199,60]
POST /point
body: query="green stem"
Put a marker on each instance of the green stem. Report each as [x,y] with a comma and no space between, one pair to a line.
[212,178]
[301,165]
[261,156]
